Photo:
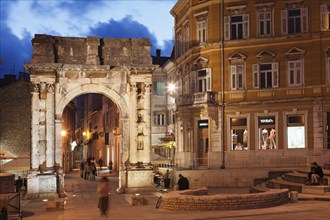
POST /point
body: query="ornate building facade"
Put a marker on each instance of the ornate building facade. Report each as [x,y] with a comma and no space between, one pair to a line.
[252,82]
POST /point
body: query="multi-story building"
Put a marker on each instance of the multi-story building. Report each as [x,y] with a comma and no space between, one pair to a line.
[253,83]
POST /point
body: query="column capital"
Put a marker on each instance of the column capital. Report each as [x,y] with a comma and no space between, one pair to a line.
[50,88]
[35,88]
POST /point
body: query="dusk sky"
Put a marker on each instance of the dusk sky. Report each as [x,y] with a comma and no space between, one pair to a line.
[22,19]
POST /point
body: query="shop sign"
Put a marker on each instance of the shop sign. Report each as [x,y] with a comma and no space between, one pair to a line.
[267,121]
[203,123]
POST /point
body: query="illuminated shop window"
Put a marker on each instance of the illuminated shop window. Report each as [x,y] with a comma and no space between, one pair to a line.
[267,133]
[295,131]
[239,134]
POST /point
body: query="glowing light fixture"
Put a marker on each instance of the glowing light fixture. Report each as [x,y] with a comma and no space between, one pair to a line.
[63,133]
[171,87]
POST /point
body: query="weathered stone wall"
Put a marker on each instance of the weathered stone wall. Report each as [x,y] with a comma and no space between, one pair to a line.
[7,183]
[15,118]
[91,50]
[178,200]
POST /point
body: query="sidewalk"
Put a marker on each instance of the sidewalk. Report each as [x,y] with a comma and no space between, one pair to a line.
[81,203]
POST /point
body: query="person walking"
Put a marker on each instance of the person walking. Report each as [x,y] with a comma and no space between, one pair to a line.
[103,192]
[100,163]
[110,166]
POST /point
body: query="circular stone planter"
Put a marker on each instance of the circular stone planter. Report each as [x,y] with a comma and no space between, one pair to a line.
[199,200]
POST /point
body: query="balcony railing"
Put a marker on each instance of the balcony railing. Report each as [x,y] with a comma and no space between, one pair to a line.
[198,98]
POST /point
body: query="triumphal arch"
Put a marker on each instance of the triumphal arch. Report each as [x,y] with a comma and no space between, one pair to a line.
[63,68]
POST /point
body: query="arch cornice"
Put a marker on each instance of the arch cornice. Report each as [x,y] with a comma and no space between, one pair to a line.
[91,88]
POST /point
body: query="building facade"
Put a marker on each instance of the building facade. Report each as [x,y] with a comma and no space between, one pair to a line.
[253,83]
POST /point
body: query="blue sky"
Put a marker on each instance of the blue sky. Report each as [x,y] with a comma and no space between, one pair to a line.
[22,19]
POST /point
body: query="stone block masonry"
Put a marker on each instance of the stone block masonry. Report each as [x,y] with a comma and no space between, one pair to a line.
[182,201]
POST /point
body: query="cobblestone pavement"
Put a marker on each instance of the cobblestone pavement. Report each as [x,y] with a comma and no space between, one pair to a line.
[81,203]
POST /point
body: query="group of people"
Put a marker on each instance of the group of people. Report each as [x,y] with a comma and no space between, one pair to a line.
[88,168]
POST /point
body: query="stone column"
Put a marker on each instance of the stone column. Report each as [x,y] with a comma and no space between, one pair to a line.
[124,154]
[133,127]
[147,114]
[42,122]
[50,119]
[58,142]
[35,127]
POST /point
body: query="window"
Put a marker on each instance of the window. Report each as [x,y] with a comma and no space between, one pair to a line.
[267,132]
[265,23]
[239,134]
[204,80]
[160,88]
[202,29]
[237,72]
[295,131]
[159,118]
[295,72]
[328,130]
[179,44]
[236,27]
[325,17]
[294,21]
[265,75]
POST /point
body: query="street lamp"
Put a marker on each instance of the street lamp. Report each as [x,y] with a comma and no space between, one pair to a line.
[63,133]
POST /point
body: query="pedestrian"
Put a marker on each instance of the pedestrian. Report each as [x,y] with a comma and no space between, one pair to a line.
[19,184]
[93,170]
[100,163]
[110,166]
[183,183]
[103,192]
[82,168]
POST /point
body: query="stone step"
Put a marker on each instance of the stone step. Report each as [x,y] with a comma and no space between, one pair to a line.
[279,183]
[300,177]
[301,196]
[299,187]
[307,170]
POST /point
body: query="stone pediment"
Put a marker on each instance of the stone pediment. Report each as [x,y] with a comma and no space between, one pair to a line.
[265,53]
[295,51]
[237,56]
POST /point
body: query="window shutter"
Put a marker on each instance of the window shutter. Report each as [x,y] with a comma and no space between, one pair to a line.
[227,27]
[255,70]
[275,74]
[208,79]
[246,27]
[233,77]
[304,23]
[193,82]
[155,118]
[324,18]
[284,19]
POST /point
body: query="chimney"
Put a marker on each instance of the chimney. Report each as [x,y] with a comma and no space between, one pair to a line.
[158,53]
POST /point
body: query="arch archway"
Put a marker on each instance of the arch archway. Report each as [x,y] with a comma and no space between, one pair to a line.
[61,70]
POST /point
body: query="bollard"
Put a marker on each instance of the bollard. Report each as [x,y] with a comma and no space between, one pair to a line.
[293,196]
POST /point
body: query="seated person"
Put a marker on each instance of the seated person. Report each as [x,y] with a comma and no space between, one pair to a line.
[316,174]
[183,183]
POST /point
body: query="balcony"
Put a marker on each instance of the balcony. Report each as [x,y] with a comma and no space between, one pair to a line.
[198,98]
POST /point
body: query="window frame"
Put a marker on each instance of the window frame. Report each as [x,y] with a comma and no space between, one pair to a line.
[325,17]
[206,80]
[274,75]
[295,72]
[285,124]
[234,74]
[303,21]
[259,25]
[245,26]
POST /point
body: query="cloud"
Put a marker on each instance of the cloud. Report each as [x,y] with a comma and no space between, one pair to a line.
[13,52]
[22,19]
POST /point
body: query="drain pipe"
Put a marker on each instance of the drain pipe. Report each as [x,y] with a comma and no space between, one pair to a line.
[222,86]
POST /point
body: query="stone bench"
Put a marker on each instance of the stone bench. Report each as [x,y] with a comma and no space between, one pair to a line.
[188,200]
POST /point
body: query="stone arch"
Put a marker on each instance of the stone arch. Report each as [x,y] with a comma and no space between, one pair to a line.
[91,88]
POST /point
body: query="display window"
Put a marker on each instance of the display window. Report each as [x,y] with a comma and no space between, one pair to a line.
[267,133]
[239,134]
[295,131]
